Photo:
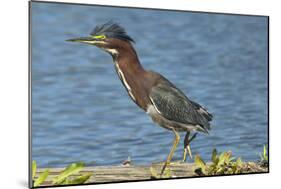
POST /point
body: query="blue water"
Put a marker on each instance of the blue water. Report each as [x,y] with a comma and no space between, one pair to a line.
[81,112]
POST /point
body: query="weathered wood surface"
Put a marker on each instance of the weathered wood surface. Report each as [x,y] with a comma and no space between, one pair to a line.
[103,174]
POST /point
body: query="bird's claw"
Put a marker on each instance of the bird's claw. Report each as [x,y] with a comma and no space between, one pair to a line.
[184,155]
[187,148]
[189,152]
[164,167]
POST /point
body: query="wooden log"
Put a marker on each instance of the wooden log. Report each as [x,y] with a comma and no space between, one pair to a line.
[105,174]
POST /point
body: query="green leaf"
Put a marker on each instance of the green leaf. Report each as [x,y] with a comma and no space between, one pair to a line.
[34,168]
[41,178]
[265,153]
[239,162]
[69,170]
[80,179]
[224,158]
[221,158]
[200,163]
[220,170]
[212,169]
[214,155]
[227,157]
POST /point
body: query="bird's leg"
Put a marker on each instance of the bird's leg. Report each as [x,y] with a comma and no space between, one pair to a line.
[170,156]
[187,141]
[185,145]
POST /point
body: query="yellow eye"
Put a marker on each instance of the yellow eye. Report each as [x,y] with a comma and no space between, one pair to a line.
[99,37]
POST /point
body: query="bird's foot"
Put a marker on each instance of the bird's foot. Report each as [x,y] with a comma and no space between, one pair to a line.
[187,149]
[166,164]
[166,169]
[165,174]
[184,155]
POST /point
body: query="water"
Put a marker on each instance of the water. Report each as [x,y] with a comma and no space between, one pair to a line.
[81,112]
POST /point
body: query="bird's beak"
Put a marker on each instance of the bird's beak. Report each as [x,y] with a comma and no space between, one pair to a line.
[87,40]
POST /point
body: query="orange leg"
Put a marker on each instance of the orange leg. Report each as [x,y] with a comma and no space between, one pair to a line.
[170,156]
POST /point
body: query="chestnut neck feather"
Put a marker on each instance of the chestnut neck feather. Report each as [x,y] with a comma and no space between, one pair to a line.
[127,58]
[134,75]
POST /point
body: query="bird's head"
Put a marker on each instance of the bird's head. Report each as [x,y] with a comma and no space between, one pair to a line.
[110,37]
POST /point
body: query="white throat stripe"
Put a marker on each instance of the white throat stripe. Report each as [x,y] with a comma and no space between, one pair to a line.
[122,77]
[112,51]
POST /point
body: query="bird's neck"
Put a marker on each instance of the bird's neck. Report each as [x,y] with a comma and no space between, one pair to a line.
[131,73]
[127,59]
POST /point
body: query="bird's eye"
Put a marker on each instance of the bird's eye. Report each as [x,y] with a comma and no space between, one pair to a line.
[99,37]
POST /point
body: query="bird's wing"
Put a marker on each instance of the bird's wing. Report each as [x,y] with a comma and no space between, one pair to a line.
[175,106]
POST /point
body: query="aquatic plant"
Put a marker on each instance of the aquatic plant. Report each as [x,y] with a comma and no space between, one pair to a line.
[222,163]
[264,157]
[64,178]
[41,178]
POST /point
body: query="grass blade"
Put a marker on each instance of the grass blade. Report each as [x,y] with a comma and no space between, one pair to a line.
[69,170]
[41,178]
[200,163]
[214,155]
[239,162]
[265,153]
[224,158]
[34,168]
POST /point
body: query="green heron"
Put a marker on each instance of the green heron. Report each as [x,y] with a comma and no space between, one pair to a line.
[157,96]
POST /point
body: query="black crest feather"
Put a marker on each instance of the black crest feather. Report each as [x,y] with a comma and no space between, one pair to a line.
[112,30]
